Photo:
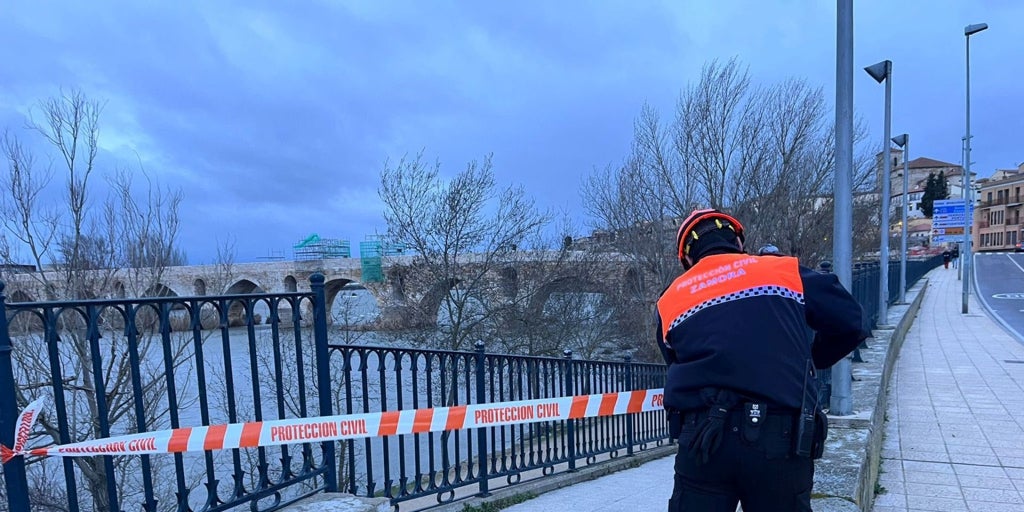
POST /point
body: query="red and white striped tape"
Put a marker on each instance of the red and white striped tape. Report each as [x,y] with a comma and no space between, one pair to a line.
[339,427]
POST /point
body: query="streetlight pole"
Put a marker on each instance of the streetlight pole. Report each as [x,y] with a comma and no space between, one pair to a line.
[968,217]
[903,141]
[963,187]
[883,72]
[841,402]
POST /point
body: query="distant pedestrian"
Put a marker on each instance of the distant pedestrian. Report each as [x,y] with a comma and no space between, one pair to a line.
[741,390]
[946,256]
[956,255]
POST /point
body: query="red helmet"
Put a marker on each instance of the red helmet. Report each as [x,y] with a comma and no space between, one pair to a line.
[688,231]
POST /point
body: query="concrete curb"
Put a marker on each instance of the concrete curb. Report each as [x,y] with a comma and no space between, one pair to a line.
[868,475]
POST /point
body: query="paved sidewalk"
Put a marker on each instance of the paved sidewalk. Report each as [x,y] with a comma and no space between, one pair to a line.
[954,438]
[647,487]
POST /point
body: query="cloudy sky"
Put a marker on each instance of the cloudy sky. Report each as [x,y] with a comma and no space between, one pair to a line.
[275,118]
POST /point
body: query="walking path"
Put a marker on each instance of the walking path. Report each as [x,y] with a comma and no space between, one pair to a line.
[954,439]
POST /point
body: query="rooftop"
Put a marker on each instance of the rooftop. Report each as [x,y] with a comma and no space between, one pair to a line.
[927,163]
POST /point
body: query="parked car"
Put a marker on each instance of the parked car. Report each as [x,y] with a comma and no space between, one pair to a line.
[1019,247]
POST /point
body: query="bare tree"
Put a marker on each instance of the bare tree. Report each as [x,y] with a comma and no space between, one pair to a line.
[713,113]
[83,251]
[763,153]
[636,207]
[461,232]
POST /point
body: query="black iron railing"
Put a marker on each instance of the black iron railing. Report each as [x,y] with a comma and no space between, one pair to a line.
[866,283]
[112,367]
[411,466]
[865,288]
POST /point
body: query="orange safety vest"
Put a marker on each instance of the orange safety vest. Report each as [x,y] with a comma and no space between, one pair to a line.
[736,321]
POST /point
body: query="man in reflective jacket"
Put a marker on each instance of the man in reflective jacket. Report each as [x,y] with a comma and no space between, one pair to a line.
[742,336]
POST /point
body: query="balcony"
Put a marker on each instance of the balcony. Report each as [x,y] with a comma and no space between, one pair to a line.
[1000,201]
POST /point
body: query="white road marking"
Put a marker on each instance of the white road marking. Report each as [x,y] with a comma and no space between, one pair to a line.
[1015,263]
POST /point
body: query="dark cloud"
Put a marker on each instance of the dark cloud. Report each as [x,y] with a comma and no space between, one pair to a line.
[275,119]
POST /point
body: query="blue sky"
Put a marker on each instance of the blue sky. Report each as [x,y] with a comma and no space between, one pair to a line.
[276,118]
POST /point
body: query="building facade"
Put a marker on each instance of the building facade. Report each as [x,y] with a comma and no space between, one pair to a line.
[997,217]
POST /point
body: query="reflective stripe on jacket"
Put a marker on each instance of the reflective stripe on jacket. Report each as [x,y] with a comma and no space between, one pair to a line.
[746,323]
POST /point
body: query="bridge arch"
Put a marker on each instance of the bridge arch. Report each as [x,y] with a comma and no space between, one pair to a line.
[331,289]
[633,282]
[159,290]
[509,281]
[290,283]
[20,296]
[236,309]
[396,282]
[243,287]
[430,304]
[199,286]
[564,284]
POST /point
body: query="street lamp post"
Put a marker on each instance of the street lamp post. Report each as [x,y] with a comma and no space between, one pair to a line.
[883,72]
[903,141]
[841,401]
[963,187]
[968,217]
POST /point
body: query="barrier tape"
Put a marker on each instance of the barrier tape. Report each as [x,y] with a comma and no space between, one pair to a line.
[339,427]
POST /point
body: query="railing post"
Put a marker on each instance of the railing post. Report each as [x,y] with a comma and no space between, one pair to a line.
[861,280]
[825,374]
[629,417]
[481,433]
[15,480]
[323,374]
[570,424]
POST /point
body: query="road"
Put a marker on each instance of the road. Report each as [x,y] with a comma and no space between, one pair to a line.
[1001,285]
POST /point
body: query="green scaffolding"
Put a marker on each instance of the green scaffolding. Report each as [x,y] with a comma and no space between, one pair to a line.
[315,248]
[371,253]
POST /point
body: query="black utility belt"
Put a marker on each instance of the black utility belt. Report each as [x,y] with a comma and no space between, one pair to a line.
[757,414]
[754,421]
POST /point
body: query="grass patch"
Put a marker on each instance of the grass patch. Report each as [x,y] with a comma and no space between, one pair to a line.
[880,489]
[496,505]
[821,495]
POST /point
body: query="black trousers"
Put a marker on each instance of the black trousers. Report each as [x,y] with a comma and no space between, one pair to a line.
[752,466]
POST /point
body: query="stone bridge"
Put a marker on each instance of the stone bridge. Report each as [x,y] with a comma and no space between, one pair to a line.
[404,289]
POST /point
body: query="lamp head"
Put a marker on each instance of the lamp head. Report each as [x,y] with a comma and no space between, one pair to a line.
[880,71]
[974,29]
[900,140]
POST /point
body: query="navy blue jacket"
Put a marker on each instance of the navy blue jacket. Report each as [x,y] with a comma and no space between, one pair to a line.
[749,324]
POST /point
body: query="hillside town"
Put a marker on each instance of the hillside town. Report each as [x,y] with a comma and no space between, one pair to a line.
[997,202]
